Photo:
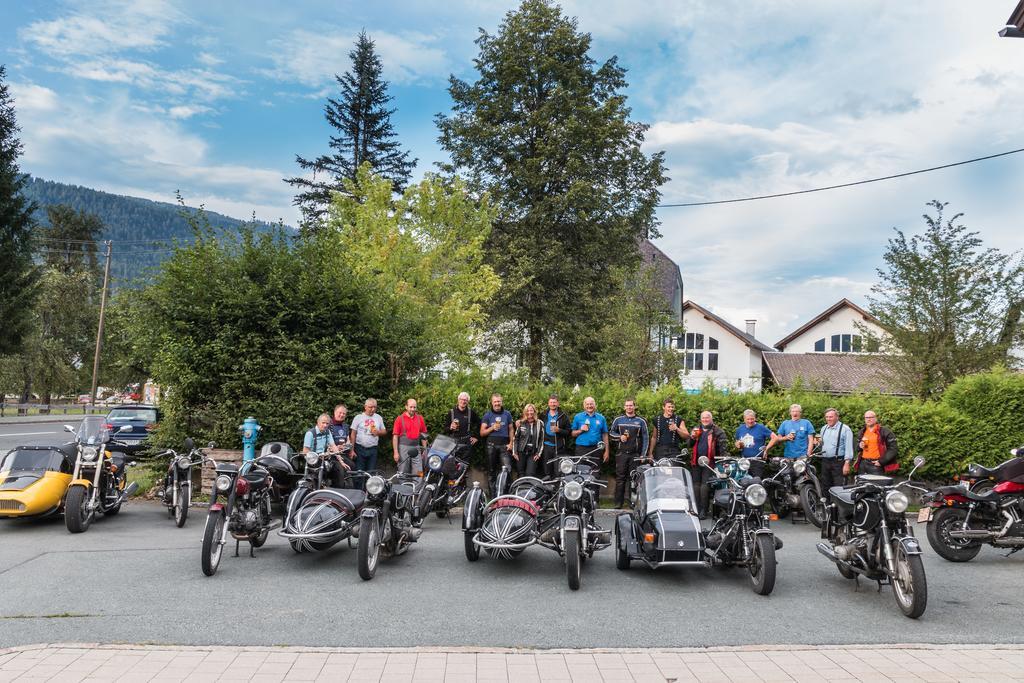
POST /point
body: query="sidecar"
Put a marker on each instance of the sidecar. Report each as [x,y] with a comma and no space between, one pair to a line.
[34,479]
[317,519]
[506,525]
[284,465]
[663,527]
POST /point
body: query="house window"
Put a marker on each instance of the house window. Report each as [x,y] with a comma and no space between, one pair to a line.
[694,361]
[712,343]
[847,343]
[712,361]
[819,346]
[694,340]
[836,342]
[857,345]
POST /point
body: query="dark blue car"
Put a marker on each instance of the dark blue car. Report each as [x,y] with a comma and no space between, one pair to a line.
[131,424]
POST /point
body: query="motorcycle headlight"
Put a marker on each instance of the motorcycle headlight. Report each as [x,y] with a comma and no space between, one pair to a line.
[756,495]
[89,454]
[434,462]
[374,485]
[573,490]
[565,466]
[223,483]
[312,458]
[897,502]
[800,466]
[743,464]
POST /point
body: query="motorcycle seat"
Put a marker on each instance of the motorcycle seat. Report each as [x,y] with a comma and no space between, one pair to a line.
[876,479]
[118,460]
[842,496]
[987,497]
[257,480]
[355,497]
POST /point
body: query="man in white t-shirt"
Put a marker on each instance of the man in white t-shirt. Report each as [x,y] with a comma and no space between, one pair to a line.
[367,429]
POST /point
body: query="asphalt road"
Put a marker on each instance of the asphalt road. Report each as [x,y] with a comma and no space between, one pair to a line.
[137,578]
[36,433]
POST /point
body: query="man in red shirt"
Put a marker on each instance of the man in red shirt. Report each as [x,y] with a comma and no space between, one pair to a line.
[410,431]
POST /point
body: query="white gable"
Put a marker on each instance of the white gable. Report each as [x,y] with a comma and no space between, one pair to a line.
[840,332]
[738,365]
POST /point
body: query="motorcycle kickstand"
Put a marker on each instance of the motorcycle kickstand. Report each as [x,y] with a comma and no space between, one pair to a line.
[856,583]
[1015,550]
[252,550]
[236,547]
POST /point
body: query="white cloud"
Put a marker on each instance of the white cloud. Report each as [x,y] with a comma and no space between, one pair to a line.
[30,98]
[185,111]
[104,27]
[208,59]
[313,58]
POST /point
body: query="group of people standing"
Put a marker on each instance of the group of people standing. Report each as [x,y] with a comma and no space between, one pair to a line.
[532,444]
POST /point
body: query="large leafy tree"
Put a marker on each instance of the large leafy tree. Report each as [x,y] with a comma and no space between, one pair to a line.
[362,119]
[69,239]
[545,130]
[949,306]
[18,275]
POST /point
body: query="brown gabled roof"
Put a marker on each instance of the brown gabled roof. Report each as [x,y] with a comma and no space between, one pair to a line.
[666,270]
[735,331]
[834,373]
[1017,17]
[781,344]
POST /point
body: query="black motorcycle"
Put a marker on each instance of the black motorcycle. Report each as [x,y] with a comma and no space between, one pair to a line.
[317,516]
[866,534]
[445,476]
[177,493]
[244,512]
[789,486]
[740,535]
[387,522]
[984,509]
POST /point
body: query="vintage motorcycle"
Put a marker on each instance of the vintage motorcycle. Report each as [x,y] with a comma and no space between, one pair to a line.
[961,519]
[444,484]
[286,467]
[244,513]
[866,534]
[556,514]
[789,486]
[99,483]
[318,516]
[177,493]
[387,523]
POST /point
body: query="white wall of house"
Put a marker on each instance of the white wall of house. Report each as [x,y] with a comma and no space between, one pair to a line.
[842,322]
[739,366]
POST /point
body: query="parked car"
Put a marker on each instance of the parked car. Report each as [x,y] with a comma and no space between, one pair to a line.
[132,423]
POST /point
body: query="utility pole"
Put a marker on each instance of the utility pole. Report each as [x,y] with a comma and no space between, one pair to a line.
[99,329]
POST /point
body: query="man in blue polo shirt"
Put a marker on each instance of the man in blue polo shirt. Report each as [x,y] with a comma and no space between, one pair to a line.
[494,427]
[752,439]
[590,429]
[797,433]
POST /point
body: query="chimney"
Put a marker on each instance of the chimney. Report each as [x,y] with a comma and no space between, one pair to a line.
[750,327]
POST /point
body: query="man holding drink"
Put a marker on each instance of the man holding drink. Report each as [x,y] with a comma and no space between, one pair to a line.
[556,435]
[590,429]
[670,433]
[495,429]
[630,430]
[366,429]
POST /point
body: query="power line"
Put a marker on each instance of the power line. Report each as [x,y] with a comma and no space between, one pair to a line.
[841,185]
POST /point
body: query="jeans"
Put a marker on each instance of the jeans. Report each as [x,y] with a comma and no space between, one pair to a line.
[550,460]
[366,459]
[701,476]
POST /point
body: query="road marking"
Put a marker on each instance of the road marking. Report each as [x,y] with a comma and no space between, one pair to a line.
[29,434]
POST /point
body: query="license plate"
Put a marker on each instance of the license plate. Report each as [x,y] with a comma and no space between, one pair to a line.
[924,514]
[572,524]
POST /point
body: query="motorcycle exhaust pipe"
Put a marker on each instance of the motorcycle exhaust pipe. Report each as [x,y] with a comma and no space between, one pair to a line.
[129,490]
[973,534]
[826,550]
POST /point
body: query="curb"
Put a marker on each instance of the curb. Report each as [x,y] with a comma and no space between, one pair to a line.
[465,649]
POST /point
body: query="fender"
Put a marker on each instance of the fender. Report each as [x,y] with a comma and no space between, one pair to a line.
[370,513]
[295,500]
[87,483]
[471,510]
[625,523]
[763,531]
[910,545]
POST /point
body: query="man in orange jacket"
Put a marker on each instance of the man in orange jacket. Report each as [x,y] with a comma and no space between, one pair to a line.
[878,451]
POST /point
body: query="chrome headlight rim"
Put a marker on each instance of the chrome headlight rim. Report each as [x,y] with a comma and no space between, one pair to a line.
[90,453]
[800,466]
[573,491]
[375,485]
[896,502]
[756,495]
[743,464]
[565,466]
[223,483]
[312,458]
[434,462]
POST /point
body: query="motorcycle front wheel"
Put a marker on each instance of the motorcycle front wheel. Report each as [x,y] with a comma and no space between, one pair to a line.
[77,515]
[369,548]
[572,559]
[181,509]
[942,522]
[811,504]
[909,584]
[212,548]
[762,564]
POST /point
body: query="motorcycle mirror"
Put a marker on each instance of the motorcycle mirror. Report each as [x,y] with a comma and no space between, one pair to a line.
[1015,452]
[918,461]
[189,444]
[702,461]
[69,428]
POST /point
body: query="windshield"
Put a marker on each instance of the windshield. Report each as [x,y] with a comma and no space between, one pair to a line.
[443,445]
[20,460]
[670,486]
[136,414]
[92,431]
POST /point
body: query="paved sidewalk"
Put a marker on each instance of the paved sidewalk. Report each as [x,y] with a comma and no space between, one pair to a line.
[84,662]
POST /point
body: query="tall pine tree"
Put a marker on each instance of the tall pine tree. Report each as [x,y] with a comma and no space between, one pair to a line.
[365,135]
[18,274]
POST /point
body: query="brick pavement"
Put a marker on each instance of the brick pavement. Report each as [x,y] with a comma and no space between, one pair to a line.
[935,664]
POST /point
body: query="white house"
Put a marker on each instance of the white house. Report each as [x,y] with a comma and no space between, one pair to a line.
[718,351]
[837,329]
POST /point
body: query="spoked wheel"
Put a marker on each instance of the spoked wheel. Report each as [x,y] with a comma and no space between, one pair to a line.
[77,515]
[909,585]
[181,509]
[572,559]
[811,503]
[762,564]
[212,548]
[943,521]
[369,548]
[472,549]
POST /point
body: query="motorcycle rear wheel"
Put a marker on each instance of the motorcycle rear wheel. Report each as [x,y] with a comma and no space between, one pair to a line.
[811,504]
[909,586]
[762,564]
[942,522]
[181,509]
[472,549]
[572,559]
[369,548]
[212,549]
[77,515]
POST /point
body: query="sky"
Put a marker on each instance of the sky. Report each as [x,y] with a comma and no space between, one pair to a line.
[146,97]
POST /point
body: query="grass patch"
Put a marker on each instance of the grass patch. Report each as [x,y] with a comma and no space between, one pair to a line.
[146,474]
